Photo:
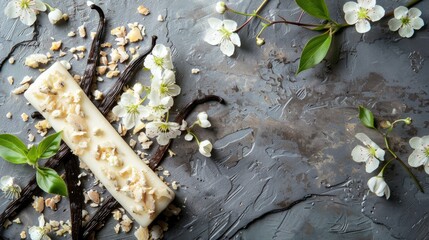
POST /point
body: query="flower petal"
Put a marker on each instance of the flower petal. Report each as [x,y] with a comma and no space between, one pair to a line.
[372,182]
[368,4]
[351,17]
[227,48]
[235,39]
[400,12]
[414,13]
[230,25]
[379,153]
[39,5]
[350,7]
[427,168]
[363,26]
[379,187]
[394,24]
[376,13]
[160,51]
[162,140]
[360,154]
[12,10]
[215,23]
[213,37]
[418,158]
[119,111]
[416,142]
[406,31]
[417,23]
[28,17]
[371,165]
[129,120]
[387,192]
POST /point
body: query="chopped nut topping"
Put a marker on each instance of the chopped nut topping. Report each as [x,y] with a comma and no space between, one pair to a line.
[106,45]
[195,70]
[56,45]
[10,80]
[43,127]
[126,224]
[117,215]
[38,204]
[26,79]
[142,233]
[133,143]
[21,89]
[24,117]
[166,173]
[23,235]
[52,202]
[17,221]
[93,35]
[94,196]
[11,60]
[112,74]
[62,54]
[81,48]
[30,137]
[98,95]
[143,10]
[71,34]
[136,33]
[9,115]
[160,18]
[82,31]
[34,60]
[117,228]
[175,185]
[7,223]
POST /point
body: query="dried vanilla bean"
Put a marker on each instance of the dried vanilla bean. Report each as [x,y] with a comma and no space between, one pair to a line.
[102,214]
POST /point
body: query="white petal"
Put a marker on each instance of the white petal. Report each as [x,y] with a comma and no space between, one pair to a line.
[189,137]
[149,62]
[205,148]
[152,130]
[205,124]
[425,140]
[387,192]
[368,4]
[416,142]
[213,37]
[128,99]
[119,111]
[168,77]
[215,23]
[12,10]
[371,165]
[227,48]
[162,140]
[414,13]
[351,17]
[363,26]
[372,182]
[350,7]
[360,154]
[379,153]
[418,158]
[235,39]
[35,233]
[28,17]
[427,168]
[406,31]
[417,23]
[379,187]
[129,121]
[364,139]
[160,51]
[394,24]
[167,63]
[6,181]
[174,90]
[376,13]
[400,12]
[202,116]
[39,5]
[230,25]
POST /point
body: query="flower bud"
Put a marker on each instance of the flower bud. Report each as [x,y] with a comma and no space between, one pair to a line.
[385,124]
[55,16]
[260,41]
[221,7]
[205,148]
[408,120]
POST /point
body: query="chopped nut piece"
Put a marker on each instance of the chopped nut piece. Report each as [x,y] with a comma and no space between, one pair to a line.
[166,173]
[126,224]
[17,221]
[66,64]
[136,33]
[142,233]
[156,232]
[93,35]
[94,196]
[117,215]
[52,202]
[34,60]
[30,137]
[26,79]
[71,34]
[23,235]
[143,10]
[139,126]
[24,117]
[7,223]
[56,45]
[116,228]
[62,54]
[82,31]
[106,45]
[43,127]
[81,48]
[195,70]
[38,204]
[21,89]
[72,50]
[160,18]
[112,74]
[98,95]
[10,80]
[101,70]
[11,60]
[9,115]
[132,143]
[175,185]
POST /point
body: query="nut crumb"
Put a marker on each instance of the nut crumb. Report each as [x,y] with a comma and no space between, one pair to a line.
[195,70]
[98,95]
[10,80]
[30,137]
[26,79]
[71,34]
[116,228]
[175,185]
[166,173]
[11,60]
[143,10]
[17,221]
[21,89]
[82,31]
[24,117]
[23,235]
[132,143]
[94,196]
[38,204]
[160,18]
[117,215]
[9,115]
[126,223]
[56,45]
[142,233]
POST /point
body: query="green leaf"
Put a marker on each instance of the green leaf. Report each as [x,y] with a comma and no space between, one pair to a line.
[50,182]
[314,51]
[49,146]
[316,8]
[366,117]
[32,155]
[12,149]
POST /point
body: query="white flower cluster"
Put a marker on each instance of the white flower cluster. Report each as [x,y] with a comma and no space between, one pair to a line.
[27,10]
[10,189]
[153,108]
[359,14]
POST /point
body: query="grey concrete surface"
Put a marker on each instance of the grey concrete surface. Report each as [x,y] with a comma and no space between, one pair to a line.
[281,167]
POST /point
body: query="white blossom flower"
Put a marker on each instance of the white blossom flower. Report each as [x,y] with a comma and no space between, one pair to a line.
[371,153]
[359,13]
[378,186]
[129,109]
[159,60]
[157,108]
[138,89]
[184,125]
[406,21]
[163,131]
[420,155]
[222,32]
[26,10]
[189,137]
[39,232]
[55,16]
[11,190]
[221,7]
[205,148]
[164,85]
[202,120]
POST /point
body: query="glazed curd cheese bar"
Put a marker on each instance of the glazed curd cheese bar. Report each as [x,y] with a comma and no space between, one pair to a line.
[57,96]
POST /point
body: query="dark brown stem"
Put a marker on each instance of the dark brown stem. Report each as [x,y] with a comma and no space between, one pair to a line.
[100,217]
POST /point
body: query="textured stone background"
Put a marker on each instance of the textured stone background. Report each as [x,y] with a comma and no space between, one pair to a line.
[281,167]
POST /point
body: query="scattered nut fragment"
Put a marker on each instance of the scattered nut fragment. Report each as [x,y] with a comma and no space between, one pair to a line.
[195,70]
[116,228]
[23,235]
[11,60]
[93,34]
[10,80]
[71,34]
[156,232]
[52,202]
[56,45]
[133,143]
[136,33]
[7,223]
[142,233]
[166,173]
[175,185]
[21,89]
[117,215]
[24,117]
[143,10]
[160,18]
[72,50]
[82,31]
[98,95]
[94,196]
[101,70]
[17,221]
[31,137]
[81,48]
[106,45]
[26,79]
[112,74]
[34,60]
[62,54]
[9,115]
[126,223]
[38,204]
[66,64]
[42,127]
[139,126]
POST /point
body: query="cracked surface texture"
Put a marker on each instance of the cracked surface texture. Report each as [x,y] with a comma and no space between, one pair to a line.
[281,166]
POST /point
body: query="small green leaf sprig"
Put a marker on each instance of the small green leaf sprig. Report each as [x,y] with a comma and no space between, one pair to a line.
[318,47]
[373,155]
[13,150]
